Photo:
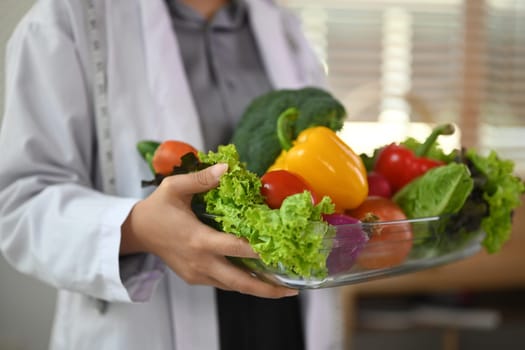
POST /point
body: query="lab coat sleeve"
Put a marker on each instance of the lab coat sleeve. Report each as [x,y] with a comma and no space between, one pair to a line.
[53,224]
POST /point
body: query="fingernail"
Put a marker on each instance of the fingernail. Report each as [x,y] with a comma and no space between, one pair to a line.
[218,169]
[291,292]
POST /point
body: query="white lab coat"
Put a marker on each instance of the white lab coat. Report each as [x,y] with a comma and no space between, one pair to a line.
[54,223]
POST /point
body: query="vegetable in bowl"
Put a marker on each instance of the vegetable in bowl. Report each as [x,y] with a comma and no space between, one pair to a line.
[473,191]
[292,237]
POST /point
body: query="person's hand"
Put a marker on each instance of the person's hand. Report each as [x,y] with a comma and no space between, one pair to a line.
[164,224]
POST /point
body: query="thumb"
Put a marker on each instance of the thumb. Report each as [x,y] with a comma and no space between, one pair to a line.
[200,181]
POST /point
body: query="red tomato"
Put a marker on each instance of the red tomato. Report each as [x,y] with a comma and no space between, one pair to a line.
[389,244]
[279,184]
[168,155]
[399,165]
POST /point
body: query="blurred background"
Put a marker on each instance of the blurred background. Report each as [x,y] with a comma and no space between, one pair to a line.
[399,67]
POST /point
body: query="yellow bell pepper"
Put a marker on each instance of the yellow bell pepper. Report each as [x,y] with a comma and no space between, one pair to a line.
[327,163]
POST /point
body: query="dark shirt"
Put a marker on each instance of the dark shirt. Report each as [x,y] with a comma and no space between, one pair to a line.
[225,73]
[223,66]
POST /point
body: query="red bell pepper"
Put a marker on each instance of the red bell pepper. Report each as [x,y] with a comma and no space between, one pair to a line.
[400,165]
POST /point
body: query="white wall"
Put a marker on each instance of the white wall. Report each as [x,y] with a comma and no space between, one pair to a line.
[26,305]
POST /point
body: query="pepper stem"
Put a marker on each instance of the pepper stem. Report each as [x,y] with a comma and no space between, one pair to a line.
[444,129]
[285,130]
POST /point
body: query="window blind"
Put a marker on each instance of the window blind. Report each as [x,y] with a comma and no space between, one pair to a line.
[409,62]
[394,60]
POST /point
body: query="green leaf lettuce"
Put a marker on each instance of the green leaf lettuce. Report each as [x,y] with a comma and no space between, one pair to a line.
[441,190]
[292,238]
[501,191]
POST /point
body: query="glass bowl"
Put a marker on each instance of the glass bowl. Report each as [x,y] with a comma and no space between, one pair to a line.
[365,251]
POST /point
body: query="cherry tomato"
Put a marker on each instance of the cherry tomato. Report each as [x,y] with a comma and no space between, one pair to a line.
[168,155]
[399,165]
[389,244]
[279,184]
[378,185]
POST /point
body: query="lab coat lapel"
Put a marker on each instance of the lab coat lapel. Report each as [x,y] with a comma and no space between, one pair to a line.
[275,50]
[193,307]
[166,75]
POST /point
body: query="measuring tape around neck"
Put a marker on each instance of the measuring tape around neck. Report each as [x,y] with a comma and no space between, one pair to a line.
[100,97]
